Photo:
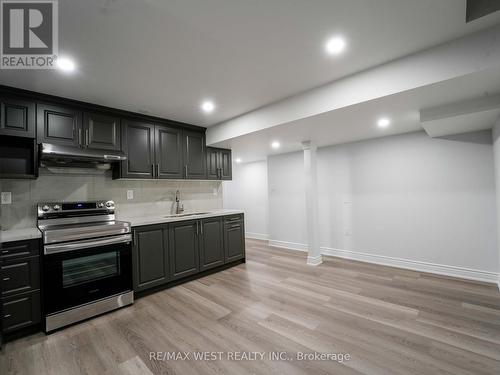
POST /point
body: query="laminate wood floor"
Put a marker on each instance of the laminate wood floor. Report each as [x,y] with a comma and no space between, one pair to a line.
[389,320]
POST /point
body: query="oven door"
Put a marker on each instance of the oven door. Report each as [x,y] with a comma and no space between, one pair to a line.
[79,272]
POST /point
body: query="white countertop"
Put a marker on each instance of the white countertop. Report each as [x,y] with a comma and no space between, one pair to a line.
[160,218]
[19,234]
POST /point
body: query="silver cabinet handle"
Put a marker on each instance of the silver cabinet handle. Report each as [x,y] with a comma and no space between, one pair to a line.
[186,170]
[153,170]
[6,278]
[80,137]
[78,245]
[201,228]
[7,316]
[134,237]
[87,139]
[5,251]
[196,228]
[158,170]
[235,226]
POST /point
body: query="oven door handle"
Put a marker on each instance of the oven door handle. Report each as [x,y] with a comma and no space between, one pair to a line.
[77,245]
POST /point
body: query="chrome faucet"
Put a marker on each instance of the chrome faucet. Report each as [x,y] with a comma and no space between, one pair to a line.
[179,208]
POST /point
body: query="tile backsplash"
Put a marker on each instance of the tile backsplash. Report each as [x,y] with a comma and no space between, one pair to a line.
[150,196]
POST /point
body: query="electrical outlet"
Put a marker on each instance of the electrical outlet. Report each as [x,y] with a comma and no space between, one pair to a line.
[130,194]
[6,197]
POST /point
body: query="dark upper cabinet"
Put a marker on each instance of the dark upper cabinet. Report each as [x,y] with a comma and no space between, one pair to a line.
[168,152]
[183,248]
[138,145]
[194,149]
[225,164]
[219,164]
[17,117]
[101,132]
[211,243]
[150,257]
[212,163]
[59,125]
[234,239]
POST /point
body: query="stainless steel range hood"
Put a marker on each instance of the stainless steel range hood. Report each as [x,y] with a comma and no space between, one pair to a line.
[51,154]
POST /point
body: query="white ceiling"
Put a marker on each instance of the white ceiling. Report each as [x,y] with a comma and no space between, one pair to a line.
[358,122]
[164,57]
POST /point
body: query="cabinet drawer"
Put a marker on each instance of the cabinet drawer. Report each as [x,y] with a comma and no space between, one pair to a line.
[20,276]
[21,311]
[233,218]
[19,249]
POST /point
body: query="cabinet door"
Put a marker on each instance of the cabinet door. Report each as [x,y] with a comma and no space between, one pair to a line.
[183,249]
[212,163]
[225,165]
[195,162]
[234,241]
[150,257]
[17,117]
[168,152]
[138,146]
[59,125]
[101,131]
[211,243]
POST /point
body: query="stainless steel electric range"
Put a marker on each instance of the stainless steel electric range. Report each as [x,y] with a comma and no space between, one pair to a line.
[87,261]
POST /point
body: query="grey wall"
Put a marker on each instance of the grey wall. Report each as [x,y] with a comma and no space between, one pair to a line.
[248,191]
[287,210]
[407,196]
[148,195]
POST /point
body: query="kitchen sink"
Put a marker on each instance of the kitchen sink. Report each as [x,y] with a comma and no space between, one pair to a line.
[190,214]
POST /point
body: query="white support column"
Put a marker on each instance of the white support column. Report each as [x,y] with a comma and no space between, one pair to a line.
[314,257]
[496,152]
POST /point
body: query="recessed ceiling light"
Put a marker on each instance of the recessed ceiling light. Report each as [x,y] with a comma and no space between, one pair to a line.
[275,144]
[383,122]
[208,106]
[238,160]
[65,64]
[335,45]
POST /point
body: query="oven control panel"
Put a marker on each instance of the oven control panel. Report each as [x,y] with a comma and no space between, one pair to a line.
[75,208]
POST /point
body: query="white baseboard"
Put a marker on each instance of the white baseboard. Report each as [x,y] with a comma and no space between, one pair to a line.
[414,265]
[288,245]
[314,261]
[256,236]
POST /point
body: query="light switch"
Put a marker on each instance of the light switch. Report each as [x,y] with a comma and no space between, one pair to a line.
[6,197]
[130,194]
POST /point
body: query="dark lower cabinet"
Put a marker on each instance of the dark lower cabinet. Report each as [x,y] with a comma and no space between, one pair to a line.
[184,252]
[234,238]
[211,243]
[150,257]
[21,311]
[165,253]
[20,304]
